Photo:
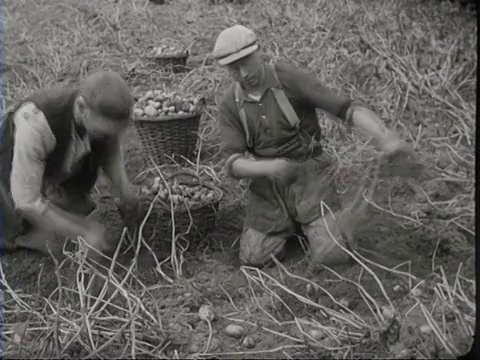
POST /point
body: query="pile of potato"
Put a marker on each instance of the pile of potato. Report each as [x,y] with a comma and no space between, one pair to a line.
[166,50]
[180,194]
[157,103]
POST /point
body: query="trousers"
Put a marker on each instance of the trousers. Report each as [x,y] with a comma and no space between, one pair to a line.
[275,208]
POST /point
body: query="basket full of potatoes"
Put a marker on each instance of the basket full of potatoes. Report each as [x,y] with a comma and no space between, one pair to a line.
[167,124]
[172,57]
[182,198]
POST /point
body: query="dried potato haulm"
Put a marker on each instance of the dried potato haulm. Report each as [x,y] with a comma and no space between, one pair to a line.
[157,103]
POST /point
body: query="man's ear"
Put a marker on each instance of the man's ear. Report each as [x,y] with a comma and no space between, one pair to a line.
[80,103]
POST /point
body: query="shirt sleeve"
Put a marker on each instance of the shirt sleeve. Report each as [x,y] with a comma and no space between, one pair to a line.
[307,89]
[34,140]
[233,134]
[234,143]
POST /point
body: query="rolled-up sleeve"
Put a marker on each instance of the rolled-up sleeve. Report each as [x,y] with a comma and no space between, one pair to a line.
[306,88]
[34,140]
[234,144]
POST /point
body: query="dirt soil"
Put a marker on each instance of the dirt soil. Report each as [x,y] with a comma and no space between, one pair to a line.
[413,252]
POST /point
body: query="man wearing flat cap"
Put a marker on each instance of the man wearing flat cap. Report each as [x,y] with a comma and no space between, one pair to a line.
[271,136]
[53,145]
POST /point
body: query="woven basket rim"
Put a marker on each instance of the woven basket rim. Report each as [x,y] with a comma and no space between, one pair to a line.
[178,55]
[206,184]
[183,210]
[186,116]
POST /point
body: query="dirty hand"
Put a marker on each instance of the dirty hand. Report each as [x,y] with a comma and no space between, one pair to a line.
[131,206]
[399,159]
[284,170]
[95,236]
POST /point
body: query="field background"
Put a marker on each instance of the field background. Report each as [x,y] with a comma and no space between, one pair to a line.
[415,62]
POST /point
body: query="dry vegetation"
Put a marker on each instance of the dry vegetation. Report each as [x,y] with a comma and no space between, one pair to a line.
[412,290]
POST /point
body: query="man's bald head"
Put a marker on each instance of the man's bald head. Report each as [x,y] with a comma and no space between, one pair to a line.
[107,94]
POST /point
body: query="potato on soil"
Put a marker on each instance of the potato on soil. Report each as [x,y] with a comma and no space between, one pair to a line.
[248,342]
[206,313]
[235,331]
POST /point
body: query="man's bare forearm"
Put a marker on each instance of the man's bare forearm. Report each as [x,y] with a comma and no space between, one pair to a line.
[59,221]
[370,123]
[117,175]
[245,168]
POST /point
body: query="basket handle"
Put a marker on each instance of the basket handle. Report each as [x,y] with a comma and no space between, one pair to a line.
[188,173]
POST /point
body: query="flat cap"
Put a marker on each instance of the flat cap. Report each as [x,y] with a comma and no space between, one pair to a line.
[234,43]
[108,94]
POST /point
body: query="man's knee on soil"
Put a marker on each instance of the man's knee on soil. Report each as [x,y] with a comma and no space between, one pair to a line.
[256,247]
[326,240]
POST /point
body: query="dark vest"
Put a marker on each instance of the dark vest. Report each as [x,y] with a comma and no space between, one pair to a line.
[57,106]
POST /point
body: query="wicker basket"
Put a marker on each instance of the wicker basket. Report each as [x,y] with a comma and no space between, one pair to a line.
[193,223]
[166,136]
[175,62]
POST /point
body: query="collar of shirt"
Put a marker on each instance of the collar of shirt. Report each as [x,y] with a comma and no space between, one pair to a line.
[78,148]
[269,82]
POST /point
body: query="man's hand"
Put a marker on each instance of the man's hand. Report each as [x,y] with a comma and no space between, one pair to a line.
[131,207]
[399,159]
[95,236]
[284,170]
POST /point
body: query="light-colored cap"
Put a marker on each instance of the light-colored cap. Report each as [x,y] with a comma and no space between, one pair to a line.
[234,43]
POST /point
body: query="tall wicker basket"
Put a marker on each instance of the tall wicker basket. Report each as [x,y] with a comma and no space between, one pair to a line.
[194,221]
[166,136]
[175,62]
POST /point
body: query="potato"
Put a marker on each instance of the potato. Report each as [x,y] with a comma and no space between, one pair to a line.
[177,199]
[166,103]
[150,111]
[206,313]
[175,190]
[317,334]
[185,106]
[171,109]
[248,342]
[138,112]
[235,331]
[388,312]
[156,182]
[178,105]
[149,95]
[180,112]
